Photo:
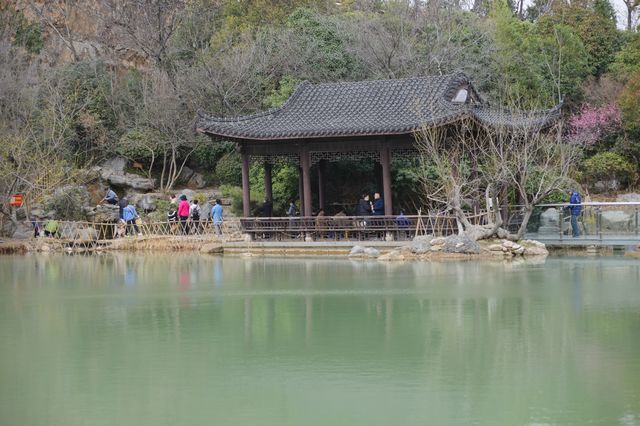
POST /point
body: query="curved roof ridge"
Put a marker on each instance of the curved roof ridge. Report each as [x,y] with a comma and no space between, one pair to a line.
[295,95]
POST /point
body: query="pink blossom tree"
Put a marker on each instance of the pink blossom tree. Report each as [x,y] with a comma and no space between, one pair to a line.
[592,124]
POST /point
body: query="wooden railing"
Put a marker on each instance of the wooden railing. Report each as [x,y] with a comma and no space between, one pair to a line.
[271,228]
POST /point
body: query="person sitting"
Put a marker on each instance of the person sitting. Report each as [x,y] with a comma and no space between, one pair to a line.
[51,228]
[110,197]
[121,228]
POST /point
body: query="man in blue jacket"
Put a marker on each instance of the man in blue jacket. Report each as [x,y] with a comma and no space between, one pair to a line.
[575,206]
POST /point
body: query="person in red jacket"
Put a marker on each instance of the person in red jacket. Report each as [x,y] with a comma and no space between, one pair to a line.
[183,213]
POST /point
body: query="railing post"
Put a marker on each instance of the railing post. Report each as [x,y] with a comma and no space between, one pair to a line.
[561,223]
[636,221]
[599,222]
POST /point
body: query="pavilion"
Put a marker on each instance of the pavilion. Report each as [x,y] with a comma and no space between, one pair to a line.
[374,120]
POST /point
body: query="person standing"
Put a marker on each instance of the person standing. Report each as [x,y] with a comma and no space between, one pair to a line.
[216,216]
[378,205]
[130,215]
[183,213]
[122,204]
[575,207]
[267,208]
[110,197]
[194,213]
[291,211]
[364,206]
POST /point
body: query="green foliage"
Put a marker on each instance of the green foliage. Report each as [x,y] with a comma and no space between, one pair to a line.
[68,203]
[208,153]
[285,186]
[29,35]
[229,169]
[320,46]
[285,89]
[538,62]
[235,194]
[605,9]
[608,166]
[629,103]
[138,144]
[627,60]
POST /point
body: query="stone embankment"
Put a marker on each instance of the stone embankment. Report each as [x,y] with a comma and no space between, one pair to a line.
[453,247]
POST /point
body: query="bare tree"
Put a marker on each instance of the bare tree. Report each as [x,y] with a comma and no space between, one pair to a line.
[149,25]
[632,9]
[471,160]
[57,16]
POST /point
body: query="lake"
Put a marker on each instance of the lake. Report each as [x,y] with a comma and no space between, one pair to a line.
[120,339]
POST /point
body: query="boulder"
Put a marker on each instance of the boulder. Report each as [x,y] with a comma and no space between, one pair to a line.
[22,230]
[113,172]
[357,251]
[534,248]
[106,213]
[616,221]
[460,244]
[86,235]
[147,202]
[439,241]
[37,211]
[189,193]
[420,244]
[394,255]
[212,248]
[185,174]
[549,221]
[197,180]
[606,185]
[628,198]
[371,252]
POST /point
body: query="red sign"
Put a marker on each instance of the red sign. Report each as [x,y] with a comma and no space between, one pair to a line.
[16,200]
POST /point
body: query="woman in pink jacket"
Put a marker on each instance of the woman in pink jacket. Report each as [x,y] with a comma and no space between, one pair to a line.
[183,213]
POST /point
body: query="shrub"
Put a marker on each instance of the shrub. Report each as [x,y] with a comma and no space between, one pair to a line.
[607,166]
[229,169]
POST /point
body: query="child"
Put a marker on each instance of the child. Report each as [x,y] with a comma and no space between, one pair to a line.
[120,228]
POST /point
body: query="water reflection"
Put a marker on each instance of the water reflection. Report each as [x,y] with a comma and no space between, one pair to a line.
[443,343]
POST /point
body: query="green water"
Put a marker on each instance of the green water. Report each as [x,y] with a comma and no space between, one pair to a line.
[190,340]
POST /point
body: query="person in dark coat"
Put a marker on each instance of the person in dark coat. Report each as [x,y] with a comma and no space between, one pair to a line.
[575,207]
[378,205]
[267,208]
[122,204]
[364,206]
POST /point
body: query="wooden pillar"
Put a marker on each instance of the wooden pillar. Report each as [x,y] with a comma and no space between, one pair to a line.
[246,202]
[268,184]
[305,163]
[385,160]
[300,191]
[322,167]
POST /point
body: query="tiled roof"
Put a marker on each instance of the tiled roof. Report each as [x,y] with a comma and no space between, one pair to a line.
[378,107]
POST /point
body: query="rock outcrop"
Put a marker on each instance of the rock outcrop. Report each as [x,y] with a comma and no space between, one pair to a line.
[113,172]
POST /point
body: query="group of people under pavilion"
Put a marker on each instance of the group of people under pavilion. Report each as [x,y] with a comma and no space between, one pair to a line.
[373,121]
